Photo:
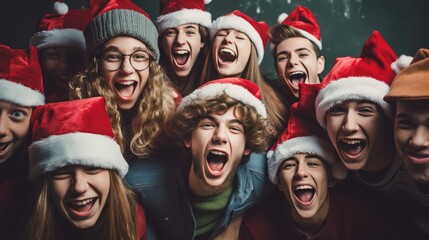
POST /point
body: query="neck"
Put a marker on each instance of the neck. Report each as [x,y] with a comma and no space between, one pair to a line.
[313,225]
[381,157]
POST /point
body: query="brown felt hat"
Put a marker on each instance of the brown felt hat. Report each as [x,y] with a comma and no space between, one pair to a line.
[412,83]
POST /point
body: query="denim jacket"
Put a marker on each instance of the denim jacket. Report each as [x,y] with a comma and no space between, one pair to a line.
[161,186]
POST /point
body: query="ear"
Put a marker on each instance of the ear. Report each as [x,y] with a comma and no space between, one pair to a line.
[188,143]
[246,152]
[320,64]
[280,187]
[202,45]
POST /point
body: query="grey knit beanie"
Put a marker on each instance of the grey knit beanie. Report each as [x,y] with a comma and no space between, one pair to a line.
[120,17]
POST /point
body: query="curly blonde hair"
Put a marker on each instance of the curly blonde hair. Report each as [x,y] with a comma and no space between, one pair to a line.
[257,130]
[151,114]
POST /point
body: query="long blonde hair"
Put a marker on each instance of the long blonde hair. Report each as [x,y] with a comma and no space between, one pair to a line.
[118,217]
[153,110]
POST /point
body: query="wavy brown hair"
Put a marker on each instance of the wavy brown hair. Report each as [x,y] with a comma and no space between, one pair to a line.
[152,112]
[118,218]
[257,129]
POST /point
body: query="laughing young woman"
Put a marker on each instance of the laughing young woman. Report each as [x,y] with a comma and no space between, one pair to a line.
[77,168]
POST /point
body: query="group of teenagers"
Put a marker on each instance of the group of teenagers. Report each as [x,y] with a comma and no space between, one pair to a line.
[114,126]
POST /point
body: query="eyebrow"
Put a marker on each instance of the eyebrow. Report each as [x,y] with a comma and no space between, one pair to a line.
[190,26]
[296,50]
[403,115]
[113,47]
[214,119]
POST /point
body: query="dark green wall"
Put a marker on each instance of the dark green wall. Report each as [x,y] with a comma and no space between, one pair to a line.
[345,24]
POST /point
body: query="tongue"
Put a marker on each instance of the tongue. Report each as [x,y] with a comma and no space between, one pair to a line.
[216,165]
[83,208]
[305,196]
[295,83]
[181,59]
[353,149]
[125,90]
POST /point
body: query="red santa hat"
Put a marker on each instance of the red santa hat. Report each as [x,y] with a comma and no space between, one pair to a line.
[113,18]
[75,132]
[20,77]
[304,135]
[367,77]
[256,31]
[62,28]
[243,90]
[303,20]
[174,13]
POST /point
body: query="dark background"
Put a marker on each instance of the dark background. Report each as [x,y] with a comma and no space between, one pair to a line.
[345,24]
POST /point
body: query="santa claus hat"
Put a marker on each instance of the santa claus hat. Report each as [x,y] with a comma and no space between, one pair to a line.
[303,20]
[75,132]
[20,77]
[365,78]
[412,83]
[174,13]
[113,18]
[304,135]
[62,28]
[243,90]
[256,31]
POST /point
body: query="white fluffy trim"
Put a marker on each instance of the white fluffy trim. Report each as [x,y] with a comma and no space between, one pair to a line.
[311,37]
[237,92]
[61,8]
[20,94]
[183,16]
[85,149]
[238,23]
[402,62]
[351,88]
[281,17]
[307,144]
[68,37]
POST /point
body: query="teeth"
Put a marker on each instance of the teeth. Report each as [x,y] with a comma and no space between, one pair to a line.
[181,52]
[217,153]
[352,141]
[126,82]
[304,187]
[294,73]
[226,50]
[83,202]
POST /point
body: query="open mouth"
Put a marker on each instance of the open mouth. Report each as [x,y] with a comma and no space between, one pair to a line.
[4,146]
[216,161]
[82,208]
[126,88]
[304,193]
[297,77]
[181,56]
[227,55]
[418,158]
[352,147]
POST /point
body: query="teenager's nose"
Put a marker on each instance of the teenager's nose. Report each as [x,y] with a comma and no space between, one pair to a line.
[350,123]
[220,135]
[420,137]
[79,182]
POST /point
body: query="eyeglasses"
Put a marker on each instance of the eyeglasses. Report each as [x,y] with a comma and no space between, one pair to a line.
[113,60]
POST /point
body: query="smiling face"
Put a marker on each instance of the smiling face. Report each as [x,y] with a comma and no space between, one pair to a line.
[80,193]
[296,61]
[357,131]
[182,46]
[304,179]
[217,145]
[60,64]
[231,52]
[411,134]
[14,128]
[126,83]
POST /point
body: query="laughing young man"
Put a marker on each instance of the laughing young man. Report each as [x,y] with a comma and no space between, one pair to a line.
[219,126]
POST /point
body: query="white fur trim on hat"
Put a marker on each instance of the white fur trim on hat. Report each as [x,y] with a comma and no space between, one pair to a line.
[237,92]
[402,62]
[351,88]
[238,23]
[68,37]
[85,149]
[306,144]
[311,37]
[183,16]
[19,94]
